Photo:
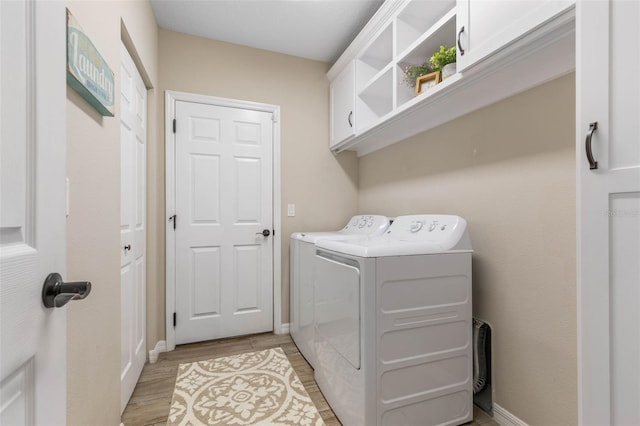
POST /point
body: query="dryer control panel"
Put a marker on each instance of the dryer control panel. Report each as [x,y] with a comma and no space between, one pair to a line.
[437,229]
[408,235]
[367,224]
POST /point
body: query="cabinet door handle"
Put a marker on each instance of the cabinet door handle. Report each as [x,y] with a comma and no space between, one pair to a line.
[349,118]
[593,164]
[460,49]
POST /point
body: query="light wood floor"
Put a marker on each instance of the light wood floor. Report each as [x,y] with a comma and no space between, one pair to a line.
[149,404]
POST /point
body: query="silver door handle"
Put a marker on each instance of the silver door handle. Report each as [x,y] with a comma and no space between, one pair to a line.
[264,233]
[56,293]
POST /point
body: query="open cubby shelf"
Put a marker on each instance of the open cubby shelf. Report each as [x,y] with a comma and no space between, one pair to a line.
[376,56]
[413,22]
[418,30]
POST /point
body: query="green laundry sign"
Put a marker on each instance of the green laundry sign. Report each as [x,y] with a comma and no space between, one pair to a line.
[87,71]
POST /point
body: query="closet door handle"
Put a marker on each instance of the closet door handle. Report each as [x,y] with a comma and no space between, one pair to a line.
[593,164]
[460,49]
[349,118]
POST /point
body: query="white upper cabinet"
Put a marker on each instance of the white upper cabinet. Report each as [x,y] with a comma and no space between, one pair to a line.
[342,91]
[486,26]
[513,45]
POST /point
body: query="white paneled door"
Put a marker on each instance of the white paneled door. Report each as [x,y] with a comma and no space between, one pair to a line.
[133,140]
[32,211]
[608,166]
[224,222]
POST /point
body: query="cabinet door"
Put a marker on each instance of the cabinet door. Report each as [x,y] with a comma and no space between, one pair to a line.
[342,98]
[486,26]
[608,201]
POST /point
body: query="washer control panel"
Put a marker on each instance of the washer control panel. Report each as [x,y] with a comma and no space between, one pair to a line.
[367,225]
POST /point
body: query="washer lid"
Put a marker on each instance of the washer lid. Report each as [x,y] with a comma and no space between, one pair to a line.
[357,227]
[314,237]
[410,235]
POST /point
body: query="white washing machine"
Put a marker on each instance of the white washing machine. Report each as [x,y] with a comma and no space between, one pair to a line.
[302,259]
[394,324]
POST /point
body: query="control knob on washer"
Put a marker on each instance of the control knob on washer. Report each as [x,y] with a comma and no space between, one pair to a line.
[416,225]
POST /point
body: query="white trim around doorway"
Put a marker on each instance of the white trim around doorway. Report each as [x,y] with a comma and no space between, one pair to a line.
[171,97]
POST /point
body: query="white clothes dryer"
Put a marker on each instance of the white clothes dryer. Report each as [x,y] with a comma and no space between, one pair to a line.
[394,324]
[302,259]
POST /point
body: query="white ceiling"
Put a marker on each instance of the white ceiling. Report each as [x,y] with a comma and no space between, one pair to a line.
[313,29]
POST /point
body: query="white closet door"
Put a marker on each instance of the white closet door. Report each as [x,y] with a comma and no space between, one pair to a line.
[608,93]
[133,195]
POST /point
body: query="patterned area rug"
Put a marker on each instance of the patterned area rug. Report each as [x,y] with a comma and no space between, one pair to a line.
[254,388]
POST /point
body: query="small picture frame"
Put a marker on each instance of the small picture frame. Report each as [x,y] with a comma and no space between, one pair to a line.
[427,81]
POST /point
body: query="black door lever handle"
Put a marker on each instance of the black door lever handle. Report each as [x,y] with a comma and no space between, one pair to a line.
[56,293]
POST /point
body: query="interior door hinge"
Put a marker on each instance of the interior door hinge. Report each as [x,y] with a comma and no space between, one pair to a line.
[175,319]
[174,125]
[174,219]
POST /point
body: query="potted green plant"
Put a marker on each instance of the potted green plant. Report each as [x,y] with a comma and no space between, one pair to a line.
[412,72]
[444,60]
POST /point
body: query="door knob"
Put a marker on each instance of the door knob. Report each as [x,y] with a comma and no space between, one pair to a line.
[264,233]
[56,293]
[127,247]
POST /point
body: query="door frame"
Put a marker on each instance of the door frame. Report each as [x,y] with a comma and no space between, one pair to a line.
[171,97]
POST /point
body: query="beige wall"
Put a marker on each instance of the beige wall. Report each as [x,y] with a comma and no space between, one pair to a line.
[323,187]
[509,170]
[93,227]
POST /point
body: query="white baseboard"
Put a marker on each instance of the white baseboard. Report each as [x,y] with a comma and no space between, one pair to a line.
[161,346]
[284,329]
[505,418]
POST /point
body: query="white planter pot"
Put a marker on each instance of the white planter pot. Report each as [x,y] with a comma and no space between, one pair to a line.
[448,70]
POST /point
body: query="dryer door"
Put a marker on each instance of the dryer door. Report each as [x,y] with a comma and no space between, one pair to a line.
[337,307]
